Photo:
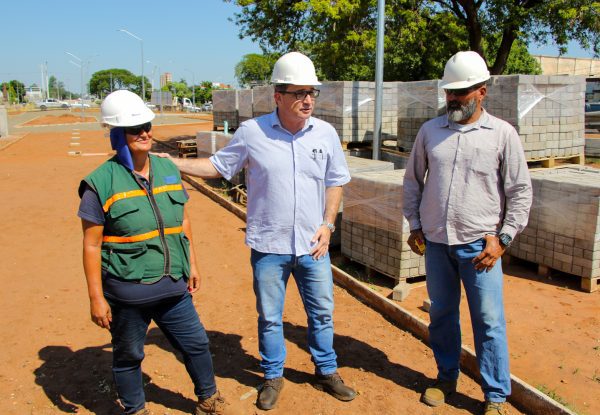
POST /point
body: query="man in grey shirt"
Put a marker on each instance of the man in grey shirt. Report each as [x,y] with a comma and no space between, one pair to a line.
[467,194]
[295,172]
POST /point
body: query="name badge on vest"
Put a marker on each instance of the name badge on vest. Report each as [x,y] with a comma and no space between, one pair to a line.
[170,179]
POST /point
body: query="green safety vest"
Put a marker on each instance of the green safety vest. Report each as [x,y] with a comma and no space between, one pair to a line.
[143,235]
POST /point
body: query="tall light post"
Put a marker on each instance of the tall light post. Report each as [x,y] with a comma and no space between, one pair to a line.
[193,90]
[80,65]
[142,47]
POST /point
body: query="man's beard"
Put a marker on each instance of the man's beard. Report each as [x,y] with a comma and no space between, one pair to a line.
[457,112]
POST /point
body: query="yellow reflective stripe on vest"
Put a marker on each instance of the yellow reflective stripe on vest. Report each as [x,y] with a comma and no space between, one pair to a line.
[139,192]
[141,237]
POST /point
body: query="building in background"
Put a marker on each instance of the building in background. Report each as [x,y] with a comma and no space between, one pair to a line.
[33,94]
[165,79]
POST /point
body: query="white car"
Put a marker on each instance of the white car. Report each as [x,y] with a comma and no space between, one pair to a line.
[51,103]
[80,105]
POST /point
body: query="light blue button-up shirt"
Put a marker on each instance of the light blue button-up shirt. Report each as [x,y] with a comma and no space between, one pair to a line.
[286,176]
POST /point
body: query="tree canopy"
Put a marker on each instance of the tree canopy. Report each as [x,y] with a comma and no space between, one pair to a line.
[420,36]
[15,90]
[254,69]
[105,81]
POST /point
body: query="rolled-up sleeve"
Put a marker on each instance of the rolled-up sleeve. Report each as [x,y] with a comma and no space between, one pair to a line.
[232,158]
[414,182]
[517,186]
[337,169]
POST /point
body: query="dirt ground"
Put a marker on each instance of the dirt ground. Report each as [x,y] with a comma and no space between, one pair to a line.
[56,361]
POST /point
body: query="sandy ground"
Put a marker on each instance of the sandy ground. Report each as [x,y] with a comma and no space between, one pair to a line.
[56,361]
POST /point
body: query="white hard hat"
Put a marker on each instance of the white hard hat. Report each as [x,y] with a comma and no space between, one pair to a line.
[463,70]
[294,68]
[123,108]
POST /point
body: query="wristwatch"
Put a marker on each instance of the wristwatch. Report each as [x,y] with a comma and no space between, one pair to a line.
[330,226]
[505,239]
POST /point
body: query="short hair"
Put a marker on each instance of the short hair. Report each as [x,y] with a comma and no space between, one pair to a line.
[281,87]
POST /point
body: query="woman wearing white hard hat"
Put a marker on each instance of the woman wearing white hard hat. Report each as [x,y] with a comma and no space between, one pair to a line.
[138,256]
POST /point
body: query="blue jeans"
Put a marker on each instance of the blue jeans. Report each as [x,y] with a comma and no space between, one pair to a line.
[180,323]
[315,284]
[447,266]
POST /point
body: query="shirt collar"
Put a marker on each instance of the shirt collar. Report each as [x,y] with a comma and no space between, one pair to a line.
[275,122]
[484,121]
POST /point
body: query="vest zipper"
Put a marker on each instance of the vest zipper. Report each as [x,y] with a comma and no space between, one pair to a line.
[161,225]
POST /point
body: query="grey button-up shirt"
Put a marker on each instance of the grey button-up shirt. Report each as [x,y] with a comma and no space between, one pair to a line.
[287,175]
[465,181]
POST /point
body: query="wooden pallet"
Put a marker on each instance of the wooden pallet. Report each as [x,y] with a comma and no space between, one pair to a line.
[184,155]
[586,284]
[548,162]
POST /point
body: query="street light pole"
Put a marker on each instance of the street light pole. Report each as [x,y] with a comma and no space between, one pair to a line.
[193,90]
[80,65]
[142,48]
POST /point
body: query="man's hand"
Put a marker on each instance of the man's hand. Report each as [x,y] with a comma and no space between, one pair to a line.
[322,237]
[100,312]
[490,254]
[416,241]
[194,281]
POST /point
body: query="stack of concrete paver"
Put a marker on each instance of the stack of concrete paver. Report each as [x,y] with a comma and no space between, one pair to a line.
[374,232]
[547,112]
[244,105]
[209,142]
[225,108]
[356,165]
[262,100]
[564,224]
[592,147]
[350,107]
[418,102]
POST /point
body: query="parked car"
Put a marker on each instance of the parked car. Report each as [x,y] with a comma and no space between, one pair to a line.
[51,103]
[80,104]
[207,106]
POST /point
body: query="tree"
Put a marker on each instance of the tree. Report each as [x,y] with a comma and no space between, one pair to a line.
[204,92]
[15,89]
[254,69]
[420,34]
[526,20]
[104,82]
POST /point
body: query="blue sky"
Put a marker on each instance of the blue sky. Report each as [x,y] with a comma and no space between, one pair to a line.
[192,39]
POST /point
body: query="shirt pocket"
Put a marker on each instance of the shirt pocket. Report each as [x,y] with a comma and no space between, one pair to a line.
[126,260]
[123,215]
[314,163]
[484,162]
[177,199]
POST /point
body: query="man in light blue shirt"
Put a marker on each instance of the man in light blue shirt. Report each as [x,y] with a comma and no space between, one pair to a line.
[295,173]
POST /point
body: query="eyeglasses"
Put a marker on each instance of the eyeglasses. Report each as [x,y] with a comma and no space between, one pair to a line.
[137,129]
[300,95]
[462,92]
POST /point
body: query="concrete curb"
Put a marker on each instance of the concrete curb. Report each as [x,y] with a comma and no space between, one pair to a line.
[524,396]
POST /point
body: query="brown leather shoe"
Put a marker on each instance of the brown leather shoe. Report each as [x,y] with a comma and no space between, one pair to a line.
[495,408]
[334,385]
[269,393]
[216,404]
[437,394]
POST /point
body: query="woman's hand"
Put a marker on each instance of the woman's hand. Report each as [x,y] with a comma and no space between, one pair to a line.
[100,312]
[194,281]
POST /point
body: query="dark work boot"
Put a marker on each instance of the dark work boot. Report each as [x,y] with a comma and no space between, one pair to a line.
[334,385]
[269,393]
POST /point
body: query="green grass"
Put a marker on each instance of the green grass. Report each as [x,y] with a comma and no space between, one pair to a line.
[552,394]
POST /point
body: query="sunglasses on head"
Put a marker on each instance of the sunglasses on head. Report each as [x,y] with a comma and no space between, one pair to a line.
[463,91]
[137,129]
[300,95]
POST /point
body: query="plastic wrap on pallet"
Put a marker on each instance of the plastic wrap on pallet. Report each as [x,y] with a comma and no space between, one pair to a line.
[224,100]
[262,100]
[209,142]
[244,104]
[349,106]
[547,112]
[374,232]
[418,102]
[563,232]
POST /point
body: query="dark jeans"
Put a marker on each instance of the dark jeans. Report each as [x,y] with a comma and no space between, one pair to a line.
[180,323]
